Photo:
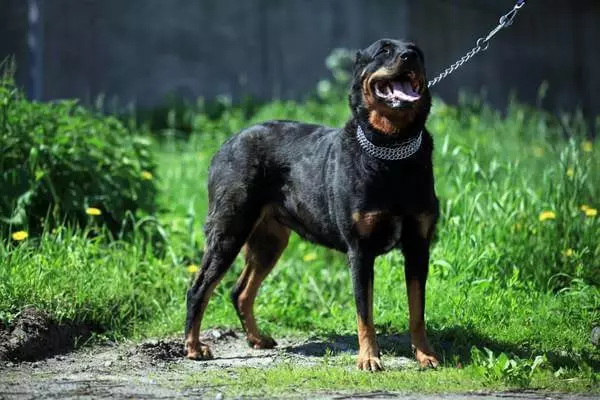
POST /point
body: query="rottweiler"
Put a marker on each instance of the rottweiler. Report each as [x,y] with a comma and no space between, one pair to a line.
[364,190]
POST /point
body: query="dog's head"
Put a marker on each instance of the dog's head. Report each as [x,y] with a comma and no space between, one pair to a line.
[389,88]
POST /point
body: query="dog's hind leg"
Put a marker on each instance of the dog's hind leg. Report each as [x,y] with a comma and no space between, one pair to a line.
[263,248]
[225,235]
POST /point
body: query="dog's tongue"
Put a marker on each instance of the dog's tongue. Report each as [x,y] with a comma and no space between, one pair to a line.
[404,91]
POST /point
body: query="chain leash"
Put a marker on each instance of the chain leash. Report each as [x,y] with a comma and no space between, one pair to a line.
[482,43]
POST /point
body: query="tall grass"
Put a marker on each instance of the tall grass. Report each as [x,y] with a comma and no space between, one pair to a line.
[516,264]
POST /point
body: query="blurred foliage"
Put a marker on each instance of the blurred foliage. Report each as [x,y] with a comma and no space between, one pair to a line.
[62,163]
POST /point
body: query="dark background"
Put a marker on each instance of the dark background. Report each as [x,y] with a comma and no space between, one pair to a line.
[144,51]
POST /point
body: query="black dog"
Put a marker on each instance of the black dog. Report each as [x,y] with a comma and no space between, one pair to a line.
[364,190]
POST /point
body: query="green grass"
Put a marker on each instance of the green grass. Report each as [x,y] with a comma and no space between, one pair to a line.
[500,277]
[341,377]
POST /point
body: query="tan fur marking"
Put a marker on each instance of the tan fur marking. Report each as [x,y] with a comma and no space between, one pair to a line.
[195,348]
[255,273]
[382,123]
[422,349]
[368,349]
[381,117]
[246,305]
[425,222]
[366,222]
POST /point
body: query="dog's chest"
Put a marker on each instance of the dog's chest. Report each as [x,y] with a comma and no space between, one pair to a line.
[380,229]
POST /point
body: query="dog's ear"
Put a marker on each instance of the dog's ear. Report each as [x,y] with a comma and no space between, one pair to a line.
[360,58]
[419,52]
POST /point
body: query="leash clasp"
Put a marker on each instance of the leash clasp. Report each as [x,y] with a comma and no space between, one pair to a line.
[482,44]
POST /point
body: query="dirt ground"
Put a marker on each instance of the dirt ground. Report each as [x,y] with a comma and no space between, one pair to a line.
[157,369]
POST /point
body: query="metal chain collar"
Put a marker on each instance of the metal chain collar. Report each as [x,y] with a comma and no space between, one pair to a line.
[399,152]
[482,43]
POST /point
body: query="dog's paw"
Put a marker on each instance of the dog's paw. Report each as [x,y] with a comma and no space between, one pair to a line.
[426,360]
[261,342]
[369,363]
[198,351]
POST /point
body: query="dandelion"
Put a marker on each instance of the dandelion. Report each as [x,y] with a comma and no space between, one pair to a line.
[147,176]
[591,212]
[93,211]
[570,172]
[538,151]
[584,207]
[192,268]
[20,235]
[587,146]
[312,256]
[568,253]
[547,215]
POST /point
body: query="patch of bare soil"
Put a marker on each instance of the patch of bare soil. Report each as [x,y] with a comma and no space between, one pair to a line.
[157,369]
[34,336]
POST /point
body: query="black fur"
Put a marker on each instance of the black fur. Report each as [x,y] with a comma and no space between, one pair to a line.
[315,178]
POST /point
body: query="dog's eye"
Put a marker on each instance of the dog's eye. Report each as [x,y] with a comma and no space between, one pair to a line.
[385,50]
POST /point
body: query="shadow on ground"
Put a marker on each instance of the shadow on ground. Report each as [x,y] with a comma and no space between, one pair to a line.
[452,344]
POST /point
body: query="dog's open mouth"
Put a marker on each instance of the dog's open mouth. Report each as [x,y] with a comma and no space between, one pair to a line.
[403,88]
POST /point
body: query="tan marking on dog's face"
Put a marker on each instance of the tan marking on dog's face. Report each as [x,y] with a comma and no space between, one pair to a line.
[386,120]
[390,126]
[366,222]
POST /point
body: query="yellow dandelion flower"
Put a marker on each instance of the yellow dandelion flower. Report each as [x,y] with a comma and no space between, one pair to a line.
[587,146]
[147,176]
[192,268]
[93,211]
[584,207]
[591,212]
[568,253]
[312,256]
[570,172]
[546,215]
[20,235]
[538,151]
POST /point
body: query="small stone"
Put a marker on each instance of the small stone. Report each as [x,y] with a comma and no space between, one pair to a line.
[219,396]
[216,334]
[108,364]
[596,336]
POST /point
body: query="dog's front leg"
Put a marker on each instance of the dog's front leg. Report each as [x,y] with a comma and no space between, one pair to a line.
[415,246]
[361,266]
